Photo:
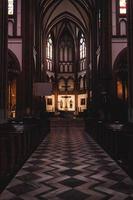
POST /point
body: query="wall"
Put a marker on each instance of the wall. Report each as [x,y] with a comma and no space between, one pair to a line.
[14,32]
[119,40]
[15,45]
[118,44]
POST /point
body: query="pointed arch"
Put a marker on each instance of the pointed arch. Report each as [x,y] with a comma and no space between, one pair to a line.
[121,75]
[13,64]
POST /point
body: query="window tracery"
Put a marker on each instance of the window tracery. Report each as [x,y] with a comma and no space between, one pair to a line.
[49,48]
[82,47]
[122,7]
[82,50]
[10,7]
[49,53]
[66,53]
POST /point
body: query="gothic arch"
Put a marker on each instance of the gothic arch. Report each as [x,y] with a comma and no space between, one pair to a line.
[121,60]
[13,73]
[82,11]
[13,65]
[120,70]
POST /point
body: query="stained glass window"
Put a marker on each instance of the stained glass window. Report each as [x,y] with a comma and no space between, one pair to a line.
[82,47]
[10,7]
[123,6]
[49,48]
[82,51]
[66,53]
[49,53]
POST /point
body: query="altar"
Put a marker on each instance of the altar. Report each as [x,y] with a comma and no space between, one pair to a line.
[66,102]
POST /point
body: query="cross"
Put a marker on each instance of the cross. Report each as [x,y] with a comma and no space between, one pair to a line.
[66,97]
[66,87]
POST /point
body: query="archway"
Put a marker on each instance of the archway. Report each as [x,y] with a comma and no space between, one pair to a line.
[13,73]
[121,86]
[121,75]
[66,28]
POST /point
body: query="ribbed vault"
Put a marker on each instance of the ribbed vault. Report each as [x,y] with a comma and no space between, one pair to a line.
[54,11]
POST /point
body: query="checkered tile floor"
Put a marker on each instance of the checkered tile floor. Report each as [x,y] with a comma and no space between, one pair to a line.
[69,165]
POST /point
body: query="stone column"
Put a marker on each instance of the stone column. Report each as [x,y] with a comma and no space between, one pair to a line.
[28,66]
[92,67]
[3,59]
[39,46]
[105,71]
[39,61]
[130,57]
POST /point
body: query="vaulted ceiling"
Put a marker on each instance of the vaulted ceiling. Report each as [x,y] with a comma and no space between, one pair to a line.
[77,11]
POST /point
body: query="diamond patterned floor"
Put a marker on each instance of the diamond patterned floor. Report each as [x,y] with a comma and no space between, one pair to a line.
[69,165]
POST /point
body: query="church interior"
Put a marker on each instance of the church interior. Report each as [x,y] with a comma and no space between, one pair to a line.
[66,99]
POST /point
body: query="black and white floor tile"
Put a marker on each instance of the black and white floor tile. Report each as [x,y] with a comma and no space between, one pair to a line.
[69,165]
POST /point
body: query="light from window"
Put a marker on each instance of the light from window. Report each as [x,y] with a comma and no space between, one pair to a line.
[123,6]
[49,48]
[10,7]
[82,47]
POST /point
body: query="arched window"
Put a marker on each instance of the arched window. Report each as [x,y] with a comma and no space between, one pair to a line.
[123,27]
[49,48]
[49,53]
[66,52]
[122,7]
[82,47]
[121,75]
[10,7]
[13,18]
[82,51]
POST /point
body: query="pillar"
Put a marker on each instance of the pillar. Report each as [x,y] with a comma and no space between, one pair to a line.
[28,65]
[105,71]
[130,58]
[3,59]
[92,67]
